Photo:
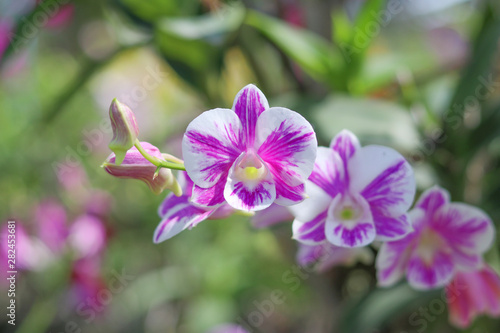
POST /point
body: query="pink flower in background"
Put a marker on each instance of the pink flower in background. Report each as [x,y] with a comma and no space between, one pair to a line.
[325,256]
[50,219]
[87,236]
[135,166]
[31,253]
[250,156]
[471,294]
[448,237]
[357,195]
[86,280]
[179,213]
[228,328]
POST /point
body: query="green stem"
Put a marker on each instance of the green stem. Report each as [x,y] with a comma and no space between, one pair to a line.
[157,161]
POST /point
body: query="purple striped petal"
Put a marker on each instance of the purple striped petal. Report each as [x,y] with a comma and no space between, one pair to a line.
[345,144]
[384,178]
[432,199]
[287,195]
[352,229]
[210,146]
[392,259]
[329,172]
[287,143]
[432,272]
[316,203]
[249,194]
[466,229]
[171,201]
[248,104]
[311,232]
[181,216]
[212,196]
[391,228]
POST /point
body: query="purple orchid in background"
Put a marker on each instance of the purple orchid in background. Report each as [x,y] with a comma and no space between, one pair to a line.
[471,294]
[448,236]
[136,166]
[356,195]
[250,156]
[87,236]
[31,253]
[52,224]
[179,213]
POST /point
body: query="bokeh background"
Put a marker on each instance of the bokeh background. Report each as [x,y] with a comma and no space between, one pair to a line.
[417,75]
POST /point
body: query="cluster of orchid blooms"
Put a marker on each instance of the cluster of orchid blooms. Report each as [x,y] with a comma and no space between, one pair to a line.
[80,240]
[265,161]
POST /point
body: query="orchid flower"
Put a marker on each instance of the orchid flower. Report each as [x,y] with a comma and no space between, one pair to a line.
[473,293]
[356,195]
[250,156]
[448,236]
[179,213]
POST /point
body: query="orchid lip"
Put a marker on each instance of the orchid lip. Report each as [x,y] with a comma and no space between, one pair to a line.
[348,213]
[251,168]
[430,242]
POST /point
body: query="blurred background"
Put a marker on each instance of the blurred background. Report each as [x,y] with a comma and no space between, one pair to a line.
[417,75]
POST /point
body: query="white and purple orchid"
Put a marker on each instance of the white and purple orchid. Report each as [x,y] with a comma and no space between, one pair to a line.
[448,236]
[356,195]
[471,294]
[179,213]
[250,156]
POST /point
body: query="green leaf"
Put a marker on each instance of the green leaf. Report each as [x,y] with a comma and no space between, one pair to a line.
[361,37]
[198,41]
[315,55]
[342,28]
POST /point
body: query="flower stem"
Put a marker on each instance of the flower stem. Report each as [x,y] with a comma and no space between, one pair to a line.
[156,161]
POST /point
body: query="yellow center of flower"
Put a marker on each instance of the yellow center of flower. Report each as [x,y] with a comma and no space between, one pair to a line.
[251,168]
[252,173]
[347,213]
[429,243]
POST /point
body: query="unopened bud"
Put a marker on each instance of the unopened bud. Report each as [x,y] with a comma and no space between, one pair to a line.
[135,166]
[125,130]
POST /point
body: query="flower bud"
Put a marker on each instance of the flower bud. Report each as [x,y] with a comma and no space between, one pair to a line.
[135,166]
[125,130]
